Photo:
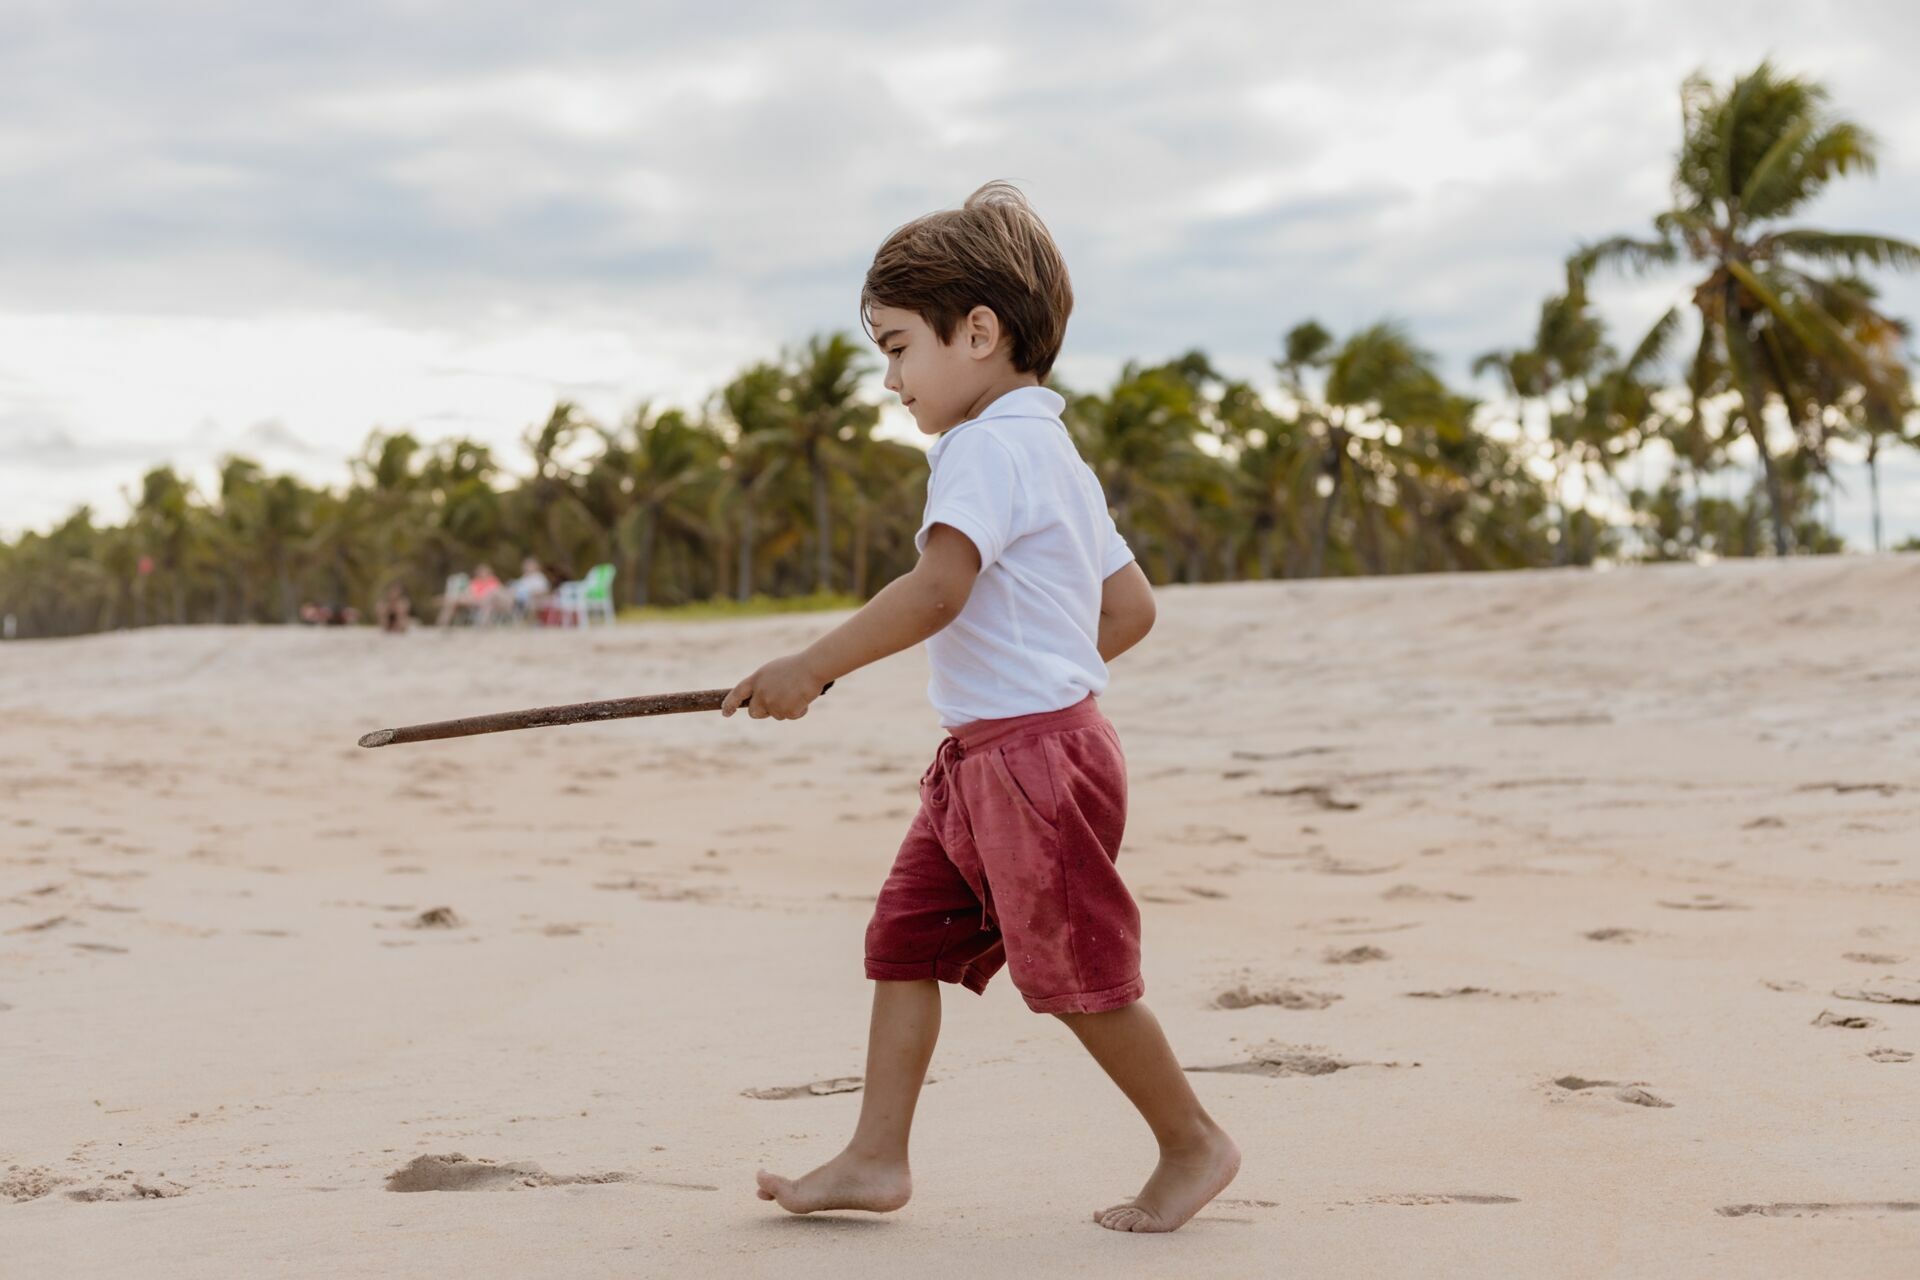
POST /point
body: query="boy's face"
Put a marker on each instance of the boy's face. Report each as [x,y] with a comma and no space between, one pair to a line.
[937,381]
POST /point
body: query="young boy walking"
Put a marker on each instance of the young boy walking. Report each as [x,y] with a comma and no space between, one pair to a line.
[1023,592]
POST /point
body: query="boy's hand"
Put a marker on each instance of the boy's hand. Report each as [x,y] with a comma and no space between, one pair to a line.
[781,689]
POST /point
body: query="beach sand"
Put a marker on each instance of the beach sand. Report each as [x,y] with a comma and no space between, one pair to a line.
[1514,924]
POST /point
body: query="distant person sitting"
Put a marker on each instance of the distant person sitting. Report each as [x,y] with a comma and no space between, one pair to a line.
[395,609]
[327,615]
[480,587]
[531,590]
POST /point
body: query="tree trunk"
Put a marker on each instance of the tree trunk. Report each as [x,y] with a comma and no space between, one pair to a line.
[1776,500]
[1336,453]
[1563,545]
[1370,524]
[1740,358]
[1873,487]
[643,561]
[743,585]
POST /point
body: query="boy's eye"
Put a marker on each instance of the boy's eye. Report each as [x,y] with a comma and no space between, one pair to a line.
[896,351]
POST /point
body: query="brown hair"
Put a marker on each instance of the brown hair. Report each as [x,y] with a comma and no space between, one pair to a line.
[991,252]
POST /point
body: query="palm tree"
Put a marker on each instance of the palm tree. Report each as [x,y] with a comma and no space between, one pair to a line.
[1141,439]
[759,403]
[829,421]
[654,462]
[1376,393]
[1749,157]
[1569,342]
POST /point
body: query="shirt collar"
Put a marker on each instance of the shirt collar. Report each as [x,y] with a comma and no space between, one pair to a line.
[1021,402]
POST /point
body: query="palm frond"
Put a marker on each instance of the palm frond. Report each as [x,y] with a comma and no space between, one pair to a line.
[1780,178]
[1638,256]
[1654,345]
[1850,248]
[1768,298]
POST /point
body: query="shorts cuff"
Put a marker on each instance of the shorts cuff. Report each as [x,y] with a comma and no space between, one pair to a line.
[941,971]
[1089,1001]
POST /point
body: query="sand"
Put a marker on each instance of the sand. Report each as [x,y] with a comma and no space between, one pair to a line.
[1549,923]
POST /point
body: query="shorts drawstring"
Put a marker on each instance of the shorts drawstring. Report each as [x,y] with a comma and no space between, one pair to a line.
[950,753]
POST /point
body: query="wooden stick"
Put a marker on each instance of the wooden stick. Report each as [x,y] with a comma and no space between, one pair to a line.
[656,704]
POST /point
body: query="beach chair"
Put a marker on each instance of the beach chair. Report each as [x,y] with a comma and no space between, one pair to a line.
[456,592]
[578,603]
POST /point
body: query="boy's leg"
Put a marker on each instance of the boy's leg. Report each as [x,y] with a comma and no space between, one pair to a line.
[1197,1158]
[872,1172]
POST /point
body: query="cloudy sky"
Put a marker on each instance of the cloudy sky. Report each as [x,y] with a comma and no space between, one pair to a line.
[250,225]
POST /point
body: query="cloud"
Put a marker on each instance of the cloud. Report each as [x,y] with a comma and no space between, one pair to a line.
[633,200]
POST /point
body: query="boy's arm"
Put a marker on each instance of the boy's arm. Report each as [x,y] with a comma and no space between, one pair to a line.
[1126,610]
[901,615]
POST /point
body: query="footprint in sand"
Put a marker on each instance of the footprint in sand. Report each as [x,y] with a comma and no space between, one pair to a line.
[1245,997]
[1416,893]
[1872,957]
[21,1185]
[816,1088]
[1885,790]
[1884,991]
[1890,1055]
[1277,1059]
[1843,1209]
[38,925]
[456,1172]
[1705,902]
[123,1186]
[655,892]
[1449,993]
[1330,866]
[1353,955]
[1202,834]
[1322,796]
[1612,935]
[1628,1092]
[1853,1022]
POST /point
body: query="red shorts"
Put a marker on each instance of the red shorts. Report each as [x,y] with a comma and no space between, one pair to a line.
[1011,861]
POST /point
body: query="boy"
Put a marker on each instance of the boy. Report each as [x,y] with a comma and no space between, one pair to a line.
[1024,590]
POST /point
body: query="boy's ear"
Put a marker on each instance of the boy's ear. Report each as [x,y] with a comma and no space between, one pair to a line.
[982,332]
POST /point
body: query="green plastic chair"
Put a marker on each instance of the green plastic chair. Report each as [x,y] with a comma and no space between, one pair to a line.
[578,603]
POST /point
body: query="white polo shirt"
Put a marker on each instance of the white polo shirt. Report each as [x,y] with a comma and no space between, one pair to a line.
[1027,640]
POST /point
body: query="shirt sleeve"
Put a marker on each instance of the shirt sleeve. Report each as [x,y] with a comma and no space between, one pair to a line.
[975,488]
[1118,553]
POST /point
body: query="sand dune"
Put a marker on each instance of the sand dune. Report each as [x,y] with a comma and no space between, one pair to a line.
[1551,923]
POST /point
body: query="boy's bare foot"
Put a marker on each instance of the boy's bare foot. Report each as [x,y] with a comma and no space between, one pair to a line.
[1182,1184]
[845,1182]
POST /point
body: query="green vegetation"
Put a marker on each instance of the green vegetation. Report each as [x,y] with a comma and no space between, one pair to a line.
[776,495]
[756,607]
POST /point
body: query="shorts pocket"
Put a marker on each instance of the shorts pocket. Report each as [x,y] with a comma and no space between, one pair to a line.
[1025,769]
